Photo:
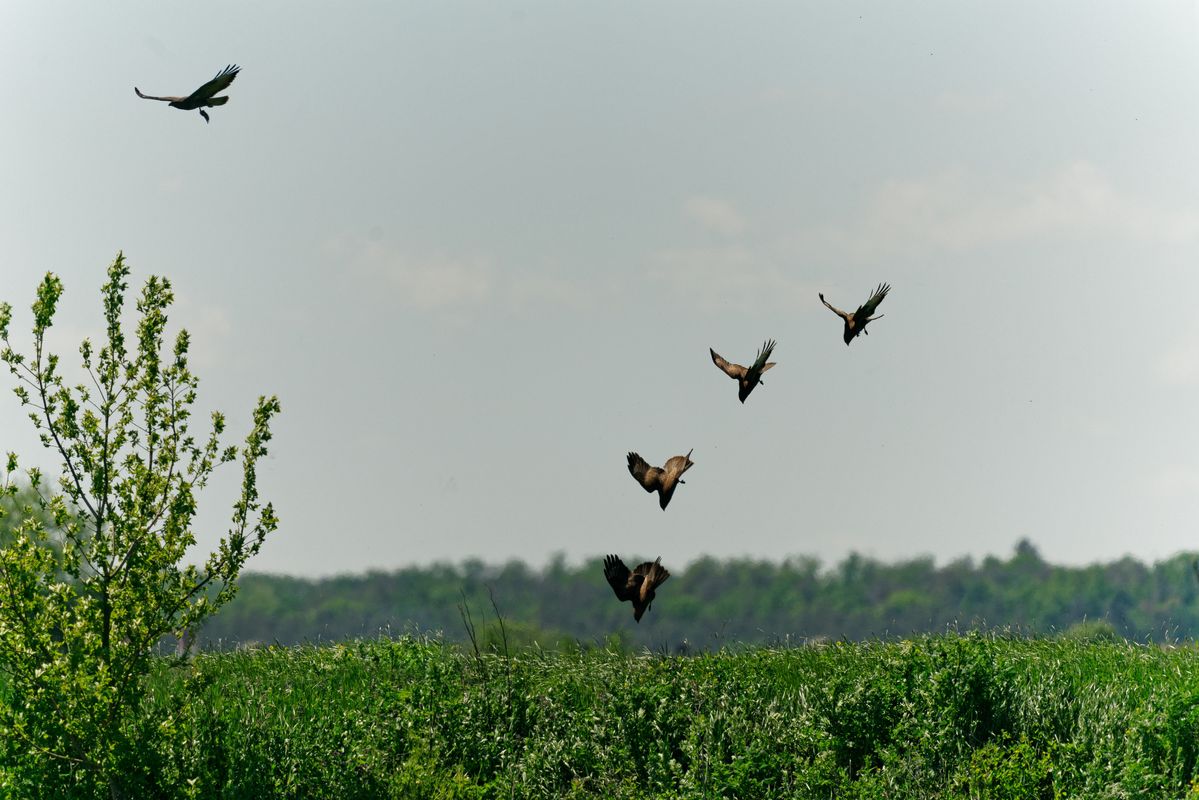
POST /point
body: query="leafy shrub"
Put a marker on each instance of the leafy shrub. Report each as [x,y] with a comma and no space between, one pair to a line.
[934,717]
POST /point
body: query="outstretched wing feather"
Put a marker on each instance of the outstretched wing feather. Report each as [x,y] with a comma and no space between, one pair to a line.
[617,575]
[843,315]
[764,356]
[655,575]
[646,475]
[732,370]
[868,308]
[678,465]
[217,84]
[152,97]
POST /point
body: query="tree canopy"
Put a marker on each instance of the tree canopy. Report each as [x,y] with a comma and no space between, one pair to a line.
[712,602]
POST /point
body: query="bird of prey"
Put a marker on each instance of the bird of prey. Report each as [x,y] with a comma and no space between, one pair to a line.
[747,378]
[204,97]
[855,323]
[636,586]
[664,480]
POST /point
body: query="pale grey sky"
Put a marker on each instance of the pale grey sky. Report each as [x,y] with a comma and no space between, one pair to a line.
[480,250]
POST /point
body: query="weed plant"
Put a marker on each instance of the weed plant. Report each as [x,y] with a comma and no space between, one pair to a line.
[948,716]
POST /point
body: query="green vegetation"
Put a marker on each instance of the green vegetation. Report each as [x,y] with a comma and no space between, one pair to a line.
[975,716]
[91,565]
[711,603]
[562,701]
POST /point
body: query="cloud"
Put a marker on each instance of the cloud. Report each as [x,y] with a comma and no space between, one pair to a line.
[772,95]
[1175,481]
[433,282]
[529,289]
[170,184]
[714,214]
[971,103]
[1179,366]
[428,282]
[952,212]
[210,330]
[959,211]
[723,278]
[452,284]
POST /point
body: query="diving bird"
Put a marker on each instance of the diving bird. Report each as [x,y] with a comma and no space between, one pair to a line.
[204,97]
[855,323]
[636,586]
[746,379]
[664,480]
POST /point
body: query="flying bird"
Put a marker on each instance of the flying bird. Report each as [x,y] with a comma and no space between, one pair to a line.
[204,97]
[664,480]
[746,379]
[855,323]
[636,586]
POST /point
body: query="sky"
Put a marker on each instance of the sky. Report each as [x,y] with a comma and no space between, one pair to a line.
[480,250]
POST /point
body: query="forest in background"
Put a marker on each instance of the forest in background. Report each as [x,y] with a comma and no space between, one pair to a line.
[711,603]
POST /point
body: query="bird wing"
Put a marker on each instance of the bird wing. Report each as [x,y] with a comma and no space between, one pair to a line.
[760,365]
[655,575]
[834,309]
[152,97]
[217,84]
[868,308]
[732,370]
[676,466]
[669,478]
[617,575]
[646,475]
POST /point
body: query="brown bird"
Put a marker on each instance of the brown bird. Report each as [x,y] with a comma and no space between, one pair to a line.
[636,586]
[201,98]
[664,480]
[855,323]
[746,379]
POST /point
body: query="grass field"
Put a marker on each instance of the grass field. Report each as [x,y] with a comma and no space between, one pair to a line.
[977,716]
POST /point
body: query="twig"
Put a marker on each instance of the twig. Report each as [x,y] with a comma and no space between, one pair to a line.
[469,623]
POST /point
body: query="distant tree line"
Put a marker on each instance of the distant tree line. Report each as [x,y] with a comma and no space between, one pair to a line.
[711,603]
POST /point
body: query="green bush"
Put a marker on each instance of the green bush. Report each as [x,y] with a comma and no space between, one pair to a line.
[92,566]
[934,717]
[1003,770]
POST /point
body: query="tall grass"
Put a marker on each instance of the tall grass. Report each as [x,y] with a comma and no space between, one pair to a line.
[978,716]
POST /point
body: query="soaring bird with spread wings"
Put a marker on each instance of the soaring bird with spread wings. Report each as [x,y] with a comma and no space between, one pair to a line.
[747,378]
[204,97]
[855,323]
[664,480]
[636,586]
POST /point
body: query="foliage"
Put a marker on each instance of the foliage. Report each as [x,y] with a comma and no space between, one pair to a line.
[86,599]
[948,716]
[710,603]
